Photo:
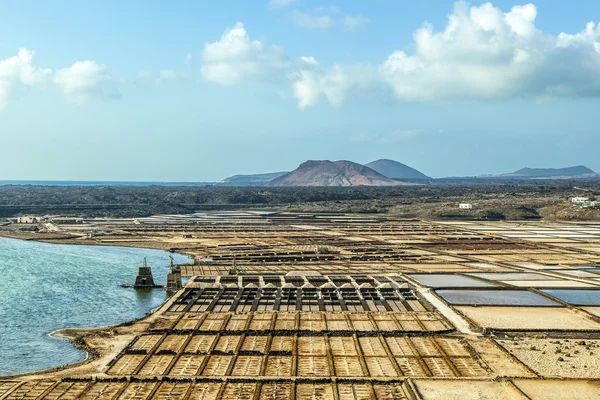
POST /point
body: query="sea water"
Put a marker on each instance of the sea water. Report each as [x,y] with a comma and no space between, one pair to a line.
[45,287]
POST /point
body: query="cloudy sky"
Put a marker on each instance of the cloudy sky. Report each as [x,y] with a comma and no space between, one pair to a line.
[197,91]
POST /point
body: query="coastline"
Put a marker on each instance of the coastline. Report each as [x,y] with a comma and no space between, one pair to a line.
[58,238]
[70,239]
[100,344]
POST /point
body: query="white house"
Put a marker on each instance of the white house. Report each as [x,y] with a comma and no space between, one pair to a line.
[579,200]
[465,206]
[28,219]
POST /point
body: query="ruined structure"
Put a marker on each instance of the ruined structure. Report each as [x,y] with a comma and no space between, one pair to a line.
[174,281]
[144,278]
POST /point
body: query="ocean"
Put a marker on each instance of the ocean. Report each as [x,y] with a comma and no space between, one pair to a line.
[45,287]
[104,183]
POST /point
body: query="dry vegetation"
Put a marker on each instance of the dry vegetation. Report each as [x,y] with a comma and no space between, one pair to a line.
[518,201]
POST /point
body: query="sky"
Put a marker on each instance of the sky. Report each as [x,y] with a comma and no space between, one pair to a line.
[200,90]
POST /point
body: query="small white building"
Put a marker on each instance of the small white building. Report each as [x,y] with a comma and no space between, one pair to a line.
[28,219]
[465,206]
[579,200]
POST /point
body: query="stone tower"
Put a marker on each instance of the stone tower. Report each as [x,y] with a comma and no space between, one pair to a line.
[174,278]
[144,277]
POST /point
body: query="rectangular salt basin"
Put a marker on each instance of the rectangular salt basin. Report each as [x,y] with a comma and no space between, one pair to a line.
[528,236]
[484,265]
[534,318]
[514,276]
[563,283]
[494,298]
[578,273]
[574,235]
[594,269]
[533,265]
[446,280]
[587,297]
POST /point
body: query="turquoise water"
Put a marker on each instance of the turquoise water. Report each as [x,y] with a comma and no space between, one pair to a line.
[45,287]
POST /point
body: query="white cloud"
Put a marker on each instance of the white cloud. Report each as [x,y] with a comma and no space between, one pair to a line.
[78,82]
[309,60]
[484,53]
[84,80]
[280,3]
[310,21]
[334,83]
[18,72]
[355,23]
[236,58]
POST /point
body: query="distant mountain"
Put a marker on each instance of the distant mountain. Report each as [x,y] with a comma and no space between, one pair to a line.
[395,170]
[333,173]
[251,180]
[550,172]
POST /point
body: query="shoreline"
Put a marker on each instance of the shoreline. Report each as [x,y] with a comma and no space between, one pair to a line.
[77,240]
[100,342]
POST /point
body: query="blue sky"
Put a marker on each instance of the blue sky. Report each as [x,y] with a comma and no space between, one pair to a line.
[197,91]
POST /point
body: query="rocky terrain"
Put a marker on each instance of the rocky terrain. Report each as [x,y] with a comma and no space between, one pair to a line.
[518,201]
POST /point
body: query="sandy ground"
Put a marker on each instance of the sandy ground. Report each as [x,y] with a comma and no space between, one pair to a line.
[571,358]
[467,390]
[528,318]
[559,390]
[498,360]
[592,310]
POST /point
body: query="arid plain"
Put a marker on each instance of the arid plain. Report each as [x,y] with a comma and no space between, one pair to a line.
[343,306]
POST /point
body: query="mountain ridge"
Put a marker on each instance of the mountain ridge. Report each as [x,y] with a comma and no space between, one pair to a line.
[527,172]
[252,179]
[333,173]
[395,170]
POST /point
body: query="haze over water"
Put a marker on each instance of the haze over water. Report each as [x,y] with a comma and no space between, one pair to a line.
[45,287]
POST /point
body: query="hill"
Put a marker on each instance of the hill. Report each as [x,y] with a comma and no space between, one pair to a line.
[395,170]
[550,172]
[251,180]
[333,173]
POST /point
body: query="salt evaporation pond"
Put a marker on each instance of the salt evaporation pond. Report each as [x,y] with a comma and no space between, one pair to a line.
[494,298]
[576,297]
[441,280]
[45,287]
